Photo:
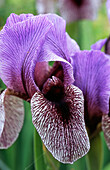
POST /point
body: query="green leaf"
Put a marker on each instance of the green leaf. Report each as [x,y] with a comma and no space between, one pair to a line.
[107,167]
[94,158]
[3,166]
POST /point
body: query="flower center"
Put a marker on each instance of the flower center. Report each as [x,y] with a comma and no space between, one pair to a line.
[53,91]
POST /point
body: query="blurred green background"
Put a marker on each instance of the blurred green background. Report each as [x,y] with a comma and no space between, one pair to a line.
[20,155]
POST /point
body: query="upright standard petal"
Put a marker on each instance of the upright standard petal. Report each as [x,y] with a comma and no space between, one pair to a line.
[79,9]
[13,19]
[92,75]
[56,46]
[99,44]
[20,46]
[13,113]
[61,125]
[108,8]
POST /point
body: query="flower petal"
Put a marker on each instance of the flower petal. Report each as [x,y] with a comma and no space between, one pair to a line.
[92,76]
[62,128]
[46,6]
[99,44]
[2,113]
[13,19]
[108,8]
[73,10]
[56,48]
[13,111]
[20,46]
[41,72]
[106,128]
[71,45]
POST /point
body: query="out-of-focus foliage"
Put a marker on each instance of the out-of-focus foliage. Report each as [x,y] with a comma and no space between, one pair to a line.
[16,6]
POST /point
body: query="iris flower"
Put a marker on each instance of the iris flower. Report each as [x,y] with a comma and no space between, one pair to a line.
[91,71]
[27,44]
[105,119]
[71,10]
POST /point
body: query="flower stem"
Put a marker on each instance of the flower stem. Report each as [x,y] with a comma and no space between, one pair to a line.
[38,153]
[94,158]
[85,34]
[63,166]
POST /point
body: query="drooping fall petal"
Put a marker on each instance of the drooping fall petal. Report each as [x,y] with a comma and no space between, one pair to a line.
[13,113]
[106,128]
[2,113]
[61,126]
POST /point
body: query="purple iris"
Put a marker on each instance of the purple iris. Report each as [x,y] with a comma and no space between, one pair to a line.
[71,10]
[105,118]
[27,44]
[92,75]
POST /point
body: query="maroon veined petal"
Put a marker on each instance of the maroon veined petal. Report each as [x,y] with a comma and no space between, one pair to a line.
[13,112]
[2,113]
[106,128]
[62,129]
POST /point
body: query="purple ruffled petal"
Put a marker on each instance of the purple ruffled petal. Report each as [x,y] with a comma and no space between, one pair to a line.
[46,6]
[13,19]
[13,113]
[56,46]
[76,10]
[92,76]
[99,44]
[20,46]
[72,46]
[108,8]
[106,128]
[62,131]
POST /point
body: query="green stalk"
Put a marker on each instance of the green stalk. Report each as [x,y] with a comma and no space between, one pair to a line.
[38,153]
[63,167]
[85,34]
[94,158]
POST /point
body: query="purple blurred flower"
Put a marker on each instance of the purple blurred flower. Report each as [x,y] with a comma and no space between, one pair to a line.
[108,8]
[27,44]
[73,10]
[91,71]
[46,6]
[70,10]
